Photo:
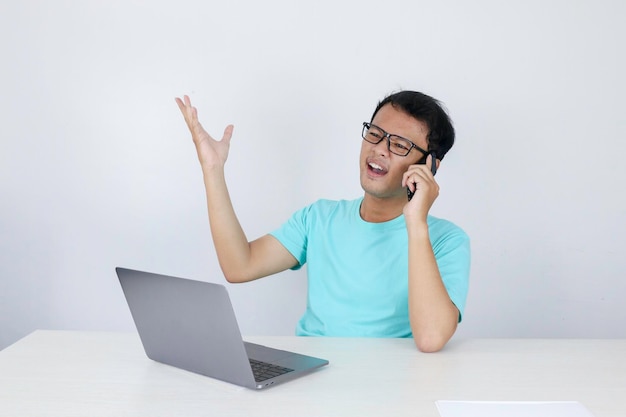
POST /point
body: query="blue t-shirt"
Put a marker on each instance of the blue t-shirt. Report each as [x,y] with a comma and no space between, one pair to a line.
[358,271]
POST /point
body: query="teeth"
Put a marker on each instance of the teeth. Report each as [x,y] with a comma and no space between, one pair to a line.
[376,166]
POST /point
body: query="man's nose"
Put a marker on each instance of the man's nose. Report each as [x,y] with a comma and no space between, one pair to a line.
[382,147]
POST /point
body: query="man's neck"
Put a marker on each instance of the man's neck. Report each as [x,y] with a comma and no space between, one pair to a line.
[378,210]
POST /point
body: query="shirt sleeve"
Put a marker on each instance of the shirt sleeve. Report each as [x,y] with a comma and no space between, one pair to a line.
[293,235]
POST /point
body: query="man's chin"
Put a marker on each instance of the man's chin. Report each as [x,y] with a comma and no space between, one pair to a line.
[383,194]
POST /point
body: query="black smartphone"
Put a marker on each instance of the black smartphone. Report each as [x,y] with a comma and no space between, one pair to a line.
[433,169]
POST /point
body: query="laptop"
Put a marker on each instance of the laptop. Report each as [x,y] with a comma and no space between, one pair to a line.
[191,325]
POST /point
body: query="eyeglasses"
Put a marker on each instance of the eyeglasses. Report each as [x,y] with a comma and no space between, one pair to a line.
[396,144]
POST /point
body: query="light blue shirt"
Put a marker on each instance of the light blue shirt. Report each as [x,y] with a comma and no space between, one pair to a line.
[358,271]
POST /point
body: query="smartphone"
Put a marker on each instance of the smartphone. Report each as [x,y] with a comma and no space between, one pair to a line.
[433,169]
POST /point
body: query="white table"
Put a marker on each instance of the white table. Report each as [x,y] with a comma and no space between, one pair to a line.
[60,373]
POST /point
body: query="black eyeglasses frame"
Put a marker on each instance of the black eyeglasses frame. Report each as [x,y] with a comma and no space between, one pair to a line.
[367,126]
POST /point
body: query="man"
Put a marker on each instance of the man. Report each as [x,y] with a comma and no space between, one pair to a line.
[378,266]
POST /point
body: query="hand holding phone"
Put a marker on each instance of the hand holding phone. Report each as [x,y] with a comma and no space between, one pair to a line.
[433,169]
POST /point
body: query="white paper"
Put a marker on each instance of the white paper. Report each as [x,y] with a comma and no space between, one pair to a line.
[512,409]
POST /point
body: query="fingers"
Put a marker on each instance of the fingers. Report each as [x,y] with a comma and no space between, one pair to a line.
[189,112]
[426,168]
[416,173]
[228,133]
[183,105]
[420,177]
[429,162]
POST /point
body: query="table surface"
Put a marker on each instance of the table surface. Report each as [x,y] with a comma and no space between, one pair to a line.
[64,373]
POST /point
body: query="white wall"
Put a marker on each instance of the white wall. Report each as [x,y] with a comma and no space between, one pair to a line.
[97,168]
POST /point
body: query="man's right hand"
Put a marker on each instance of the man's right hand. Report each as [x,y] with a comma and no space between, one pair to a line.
[211,153]
[239,259]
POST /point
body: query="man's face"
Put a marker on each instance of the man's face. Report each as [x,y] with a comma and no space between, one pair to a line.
[381,170]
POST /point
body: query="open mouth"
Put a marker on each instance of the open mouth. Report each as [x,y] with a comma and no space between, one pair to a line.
[376,169]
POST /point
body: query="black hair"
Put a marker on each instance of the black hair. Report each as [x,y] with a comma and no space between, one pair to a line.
[428,110]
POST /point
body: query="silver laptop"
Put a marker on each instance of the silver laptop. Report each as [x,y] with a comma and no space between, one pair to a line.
[191,325]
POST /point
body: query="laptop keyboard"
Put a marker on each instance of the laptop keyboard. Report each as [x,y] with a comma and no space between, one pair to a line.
[264,370]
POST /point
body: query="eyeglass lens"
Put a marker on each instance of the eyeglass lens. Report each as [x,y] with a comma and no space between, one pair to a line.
[396,144]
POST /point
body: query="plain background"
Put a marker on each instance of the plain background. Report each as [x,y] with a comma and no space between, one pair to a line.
[97,168]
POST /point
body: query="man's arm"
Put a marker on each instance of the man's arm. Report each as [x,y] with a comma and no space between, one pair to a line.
[432,313]
[239,259]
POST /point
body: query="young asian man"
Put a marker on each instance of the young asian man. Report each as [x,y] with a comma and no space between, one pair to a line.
[379,265]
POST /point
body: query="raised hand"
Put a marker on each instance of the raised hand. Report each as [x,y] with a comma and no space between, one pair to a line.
[211,153]
[419,178]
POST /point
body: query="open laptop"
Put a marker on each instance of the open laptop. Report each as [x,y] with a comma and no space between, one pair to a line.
[191,325]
